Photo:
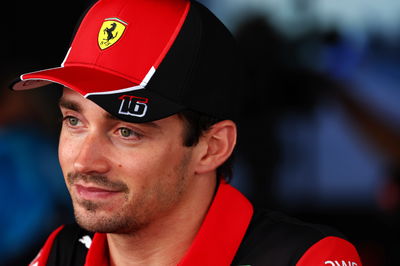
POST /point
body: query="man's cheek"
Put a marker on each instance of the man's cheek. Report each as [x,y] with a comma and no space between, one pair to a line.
[66,153]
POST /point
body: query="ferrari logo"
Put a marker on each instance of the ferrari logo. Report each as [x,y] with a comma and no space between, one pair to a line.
[110,32]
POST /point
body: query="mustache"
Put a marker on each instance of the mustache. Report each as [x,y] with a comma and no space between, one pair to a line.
[99,180]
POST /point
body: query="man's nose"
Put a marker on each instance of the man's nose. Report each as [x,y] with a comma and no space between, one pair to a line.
[91,157]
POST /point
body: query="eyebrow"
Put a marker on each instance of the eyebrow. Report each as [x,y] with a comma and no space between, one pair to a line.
[71,105]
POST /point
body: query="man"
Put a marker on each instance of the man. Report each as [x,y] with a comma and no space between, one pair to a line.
[148,105]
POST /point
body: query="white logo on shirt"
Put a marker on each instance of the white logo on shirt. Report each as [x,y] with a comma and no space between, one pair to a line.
[86,240]
[336,263]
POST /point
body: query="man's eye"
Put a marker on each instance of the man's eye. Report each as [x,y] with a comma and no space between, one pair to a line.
[72,121]
[125,132]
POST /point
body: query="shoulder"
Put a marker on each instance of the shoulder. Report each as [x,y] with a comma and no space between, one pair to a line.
[275,237]
[67,245]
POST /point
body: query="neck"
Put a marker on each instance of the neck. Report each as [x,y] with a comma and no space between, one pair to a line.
[166,240]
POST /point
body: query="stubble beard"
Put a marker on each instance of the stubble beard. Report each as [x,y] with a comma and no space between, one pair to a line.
[133,216]
[88,214]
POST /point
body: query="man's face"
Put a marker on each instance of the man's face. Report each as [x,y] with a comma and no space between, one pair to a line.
[121,176]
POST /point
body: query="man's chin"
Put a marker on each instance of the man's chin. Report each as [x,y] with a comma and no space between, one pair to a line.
[94,219]
[91,217]
[96,223]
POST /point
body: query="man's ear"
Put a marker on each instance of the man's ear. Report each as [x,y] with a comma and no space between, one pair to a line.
[215,146]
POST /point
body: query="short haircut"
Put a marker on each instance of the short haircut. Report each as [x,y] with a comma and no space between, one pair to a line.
[196,124]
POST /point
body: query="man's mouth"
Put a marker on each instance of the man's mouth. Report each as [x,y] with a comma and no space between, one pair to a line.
[88,192]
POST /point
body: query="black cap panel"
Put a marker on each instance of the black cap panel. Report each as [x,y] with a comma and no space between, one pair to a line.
[201,71]
[138,106]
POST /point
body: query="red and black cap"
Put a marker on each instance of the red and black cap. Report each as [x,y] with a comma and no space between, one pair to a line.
[143,60]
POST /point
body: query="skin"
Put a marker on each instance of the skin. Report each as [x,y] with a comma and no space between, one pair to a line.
[138,182]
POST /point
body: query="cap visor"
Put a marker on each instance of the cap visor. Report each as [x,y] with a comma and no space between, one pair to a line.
[79,78]
[107,90]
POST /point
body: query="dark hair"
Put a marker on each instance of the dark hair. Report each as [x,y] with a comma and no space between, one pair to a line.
[195,125]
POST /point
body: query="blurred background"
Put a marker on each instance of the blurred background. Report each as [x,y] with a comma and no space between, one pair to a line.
[319,131]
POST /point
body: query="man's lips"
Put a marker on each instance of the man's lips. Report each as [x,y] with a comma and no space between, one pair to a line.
[89,192]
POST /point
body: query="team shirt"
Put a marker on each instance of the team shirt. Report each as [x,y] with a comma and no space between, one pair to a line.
[232,233]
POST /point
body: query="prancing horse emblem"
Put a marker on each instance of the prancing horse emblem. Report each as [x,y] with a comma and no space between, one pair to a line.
[110,32]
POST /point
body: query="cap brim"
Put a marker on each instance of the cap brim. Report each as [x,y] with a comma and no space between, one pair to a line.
[107,90]
[82,79]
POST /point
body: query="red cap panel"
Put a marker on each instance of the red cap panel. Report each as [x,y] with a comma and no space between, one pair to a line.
[118,46]
[140,46]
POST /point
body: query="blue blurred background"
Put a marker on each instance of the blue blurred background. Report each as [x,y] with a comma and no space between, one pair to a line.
[319,131]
